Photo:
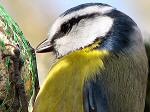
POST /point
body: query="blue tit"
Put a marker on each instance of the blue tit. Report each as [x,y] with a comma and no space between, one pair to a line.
[102,64]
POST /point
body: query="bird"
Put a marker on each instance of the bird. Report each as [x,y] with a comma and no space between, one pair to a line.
[102,63]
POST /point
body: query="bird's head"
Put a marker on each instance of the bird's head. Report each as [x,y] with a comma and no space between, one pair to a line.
[84,25]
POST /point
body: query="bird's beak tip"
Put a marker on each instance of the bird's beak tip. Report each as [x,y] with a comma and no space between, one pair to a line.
[37,50]
[44,47]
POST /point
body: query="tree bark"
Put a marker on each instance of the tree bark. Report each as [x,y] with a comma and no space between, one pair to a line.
[18,69]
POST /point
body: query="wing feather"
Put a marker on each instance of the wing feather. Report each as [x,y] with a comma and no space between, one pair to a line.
[94,99]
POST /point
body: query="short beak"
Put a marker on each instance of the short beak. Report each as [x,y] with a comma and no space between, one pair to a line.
[44,47]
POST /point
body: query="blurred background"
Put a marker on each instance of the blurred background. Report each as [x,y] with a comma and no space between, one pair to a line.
[35,17]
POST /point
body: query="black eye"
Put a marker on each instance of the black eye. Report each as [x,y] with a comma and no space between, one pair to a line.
[65,28]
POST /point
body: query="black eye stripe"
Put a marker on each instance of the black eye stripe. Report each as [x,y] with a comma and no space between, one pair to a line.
[67,26]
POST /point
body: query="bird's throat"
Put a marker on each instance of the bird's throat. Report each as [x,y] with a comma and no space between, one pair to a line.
[62,89]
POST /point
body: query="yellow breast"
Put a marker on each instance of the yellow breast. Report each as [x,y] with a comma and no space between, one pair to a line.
[62,90]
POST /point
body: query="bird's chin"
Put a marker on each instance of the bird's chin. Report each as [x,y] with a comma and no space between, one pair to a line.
[53,54]
[58,56]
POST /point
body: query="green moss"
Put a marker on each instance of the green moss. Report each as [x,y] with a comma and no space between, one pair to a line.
[2,44]
[7,63]
[8,87]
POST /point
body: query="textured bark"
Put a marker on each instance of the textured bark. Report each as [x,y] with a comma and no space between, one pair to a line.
[18,71]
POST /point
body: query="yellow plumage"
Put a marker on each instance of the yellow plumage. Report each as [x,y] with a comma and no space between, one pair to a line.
[62,90]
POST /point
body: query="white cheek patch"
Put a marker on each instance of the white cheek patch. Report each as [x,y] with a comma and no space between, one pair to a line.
[84,34]
[88,10]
